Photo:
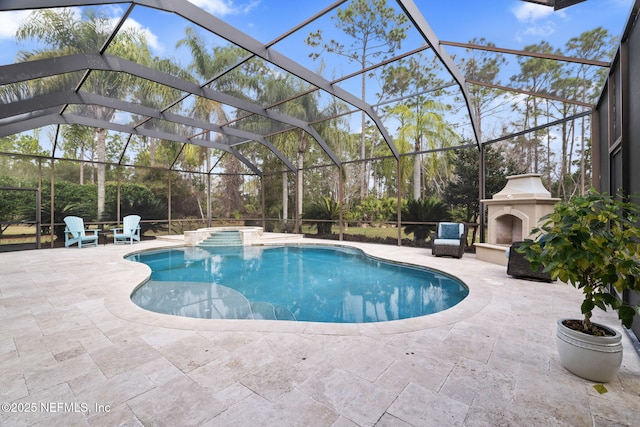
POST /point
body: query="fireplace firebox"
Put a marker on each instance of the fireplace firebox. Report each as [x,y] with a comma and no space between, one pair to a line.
[512,214]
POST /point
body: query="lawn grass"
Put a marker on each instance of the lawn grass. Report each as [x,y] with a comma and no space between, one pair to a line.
[371,232]
[26,233]
[16,234]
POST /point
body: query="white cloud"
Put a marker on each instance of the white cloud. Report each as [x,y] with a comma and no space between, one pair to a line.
[216,7]
[544,30]
[537,20]
[530,12]
[152,39]
[224,7]
[10,21]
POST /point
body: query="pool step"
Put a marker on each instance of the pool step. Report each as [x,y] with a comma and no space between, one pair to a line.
[222,238]
[267,311]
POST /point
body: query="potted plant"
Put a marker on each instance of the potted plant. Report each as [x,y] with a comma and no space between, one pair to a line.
[593,243]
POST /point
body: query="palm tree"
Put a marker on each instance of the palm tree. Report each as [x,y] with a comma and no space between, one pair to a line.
[62,32]
[206,66]
[427,129]
[324,210]
[423,210]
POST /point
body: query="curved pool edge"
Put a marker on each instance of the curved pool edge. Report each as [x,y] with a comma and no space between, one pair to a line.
[119,302]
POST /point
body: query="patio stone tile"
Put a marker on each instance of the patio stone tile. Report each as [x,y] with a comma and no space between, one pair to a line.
[304,410]
[538,335]
[294,348]
[113,391]
[419,406]
[253,410]
[70,354]
[273,380]
[120,415]
[233,394]
[359,360]
[324,357]
[66,300]
[564,402]
[181,402]
[57,344]
[250,358]
[92,378]
[345,422]
[191,352]
[28,364]
[62,320]
[7,349]
[158,337]
[505,414]
[389,420]
[615,413]
[23,325]
[216,375]
[423,369]
[128,332]
[479,349]
[520,352]
[471,381]
[123,356]
[54,406]
[95,342]
[362,402]
[160,371]
[78,338]
[13,387]
[231,340]
[58,373]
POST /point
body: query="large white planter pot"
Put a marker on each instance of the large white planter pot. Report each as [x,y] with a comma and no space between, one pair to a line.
[593,358]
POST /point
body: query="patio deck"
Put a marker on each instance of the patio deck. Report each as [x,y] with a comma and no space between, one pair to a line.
[74,350]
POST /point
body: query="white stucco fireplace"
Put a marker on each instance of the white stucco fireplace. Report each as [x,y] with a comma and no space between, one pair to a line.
[512,214]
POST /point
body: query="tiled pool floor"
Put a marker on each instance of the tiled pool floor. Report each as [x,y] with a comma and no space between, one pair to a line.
[74,350]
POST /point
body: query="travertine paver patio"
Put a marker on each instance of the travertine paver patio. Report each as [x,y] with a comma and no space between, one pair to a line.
[74,350]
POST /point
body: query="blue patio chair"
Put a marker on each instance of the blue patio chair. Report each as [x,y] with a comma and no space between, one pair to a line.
[129,231]
[74,232]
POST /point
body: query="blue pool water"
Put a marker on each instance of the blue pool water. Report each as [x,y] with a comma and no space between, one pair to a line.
[303,283]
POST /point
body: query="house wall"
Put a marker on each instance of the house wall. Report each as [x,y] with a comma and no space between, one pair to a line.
[616,128]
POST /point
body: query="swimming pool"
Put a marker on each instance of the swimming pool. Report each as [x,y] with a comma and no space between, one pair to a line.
[293,282]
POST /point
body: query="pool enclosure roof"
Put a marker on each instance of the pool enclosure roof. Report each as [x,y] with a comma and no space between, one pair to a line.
[183,100]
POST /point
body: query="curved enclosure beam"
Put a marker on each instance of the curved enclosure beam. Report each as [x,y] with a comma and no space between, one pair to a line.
[48,67]
[46,102]
[216,26]
[53,118]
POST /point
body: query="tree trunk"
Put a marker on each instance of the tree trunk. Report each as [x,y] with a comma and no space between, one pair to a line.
[417,169]
[82,165]
[101,135]
[302,147]
[285,198]
[363,148]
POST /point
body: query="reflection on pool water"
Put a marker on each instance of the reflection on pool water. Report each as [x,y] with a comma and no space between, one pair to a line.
[303,283]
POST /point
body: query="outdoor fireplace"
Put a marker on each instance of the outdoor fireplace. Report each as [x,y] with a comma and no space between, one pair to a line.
[512,214]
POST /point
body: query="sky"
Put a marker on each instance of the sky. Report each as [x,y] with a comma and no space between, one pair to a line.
[509,24]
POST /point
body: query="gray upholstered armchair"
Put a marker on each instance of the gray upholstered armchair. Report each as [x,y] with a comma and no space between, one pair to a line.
[450,240]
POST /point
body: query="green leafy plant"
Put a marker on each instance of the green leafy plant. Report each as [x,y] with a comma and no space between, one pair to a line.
[136,199]
[325,210]
[593,243]
[423,210]
[373,209]
[70,199]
